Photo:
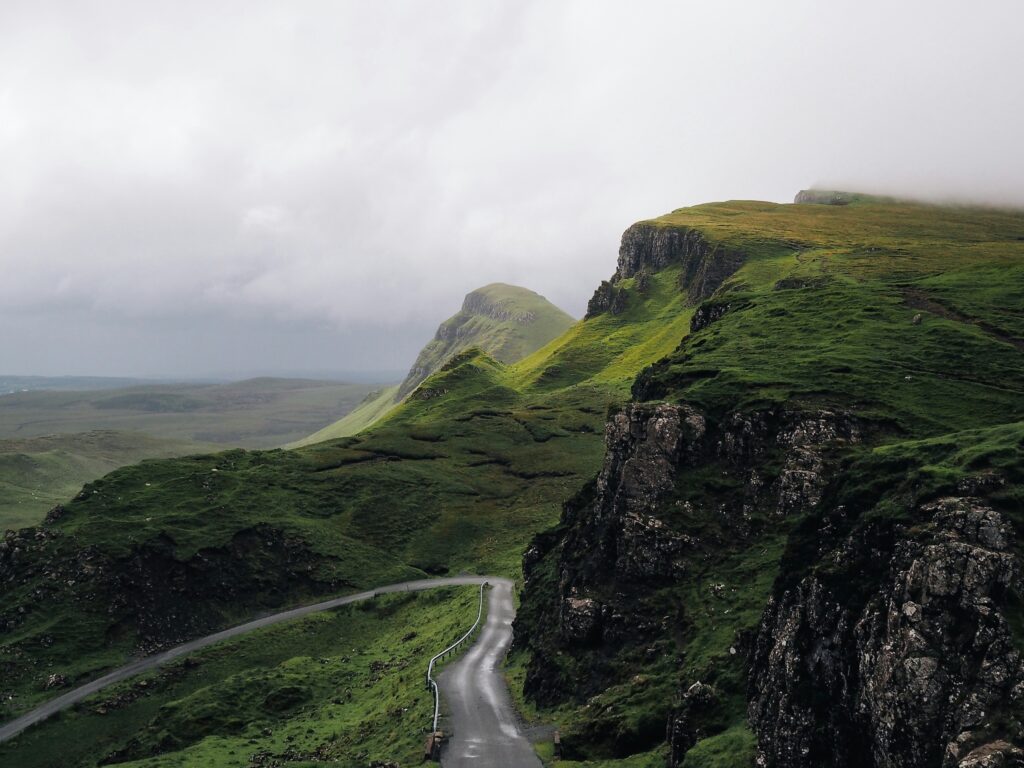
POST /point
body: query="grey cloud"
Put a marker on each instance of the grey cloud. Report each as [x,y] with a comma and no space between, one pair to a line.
[179,175]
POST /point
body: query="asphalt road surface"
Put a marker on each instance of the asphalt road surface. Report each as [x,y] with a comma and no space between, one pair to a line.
[14,727]
[483,726]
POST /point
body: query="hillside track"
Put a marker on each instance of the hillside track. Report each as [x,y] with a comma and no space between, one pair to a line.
[14,727]
[483,725]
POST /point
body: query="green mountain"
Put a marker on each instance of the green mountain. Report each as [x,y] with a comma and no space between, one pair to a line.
[505,321]
[763,501]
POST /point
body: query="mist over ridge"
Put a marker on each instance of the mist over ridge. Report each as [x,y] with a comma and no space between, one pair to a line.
[203,189]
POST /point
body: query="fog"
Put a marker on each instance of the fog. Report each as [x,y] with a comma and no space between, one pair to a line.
[217,188]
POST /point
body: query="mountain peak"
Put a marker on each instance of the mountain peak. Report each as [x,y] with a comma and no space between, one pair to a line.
[506,321]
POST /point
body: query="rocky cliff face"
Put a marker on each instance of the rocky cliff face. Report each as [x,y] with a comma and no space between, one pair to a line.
[920,669]
[654,519]
[892,650]
[648,248]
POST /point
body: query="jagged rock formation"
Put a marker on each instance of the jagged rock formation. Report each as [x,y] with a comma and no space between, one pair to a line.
[779,557]
[708,313]
[920,670]
[505,321]
[649,247]
[607,298]
[590,582]
[902,657]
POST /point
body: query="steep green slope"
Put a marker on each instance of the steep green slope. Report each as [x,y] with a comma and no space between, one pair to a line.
[376,405]
[505,321]
[855,386]
[37,473]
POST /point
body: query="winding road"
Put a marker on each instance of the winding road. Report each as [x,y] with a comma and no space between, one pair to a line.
[479,715]
[482,718]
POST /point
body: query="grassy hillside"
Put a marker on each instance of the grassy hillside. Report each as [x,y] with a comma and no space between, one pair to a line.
[505,321]
[344,687]
[905,319]
[37,473]
[819,312]
[376,405]
[256,413]
[825,310]
[450,481]
[54,439]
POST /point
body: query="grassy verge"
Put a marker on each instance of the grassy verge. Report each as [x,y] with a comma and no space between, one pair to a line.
[344,686]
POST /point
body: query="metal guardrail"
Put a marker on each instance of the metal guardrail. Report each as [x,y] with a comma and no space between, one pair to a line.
[12,728]
[431,682]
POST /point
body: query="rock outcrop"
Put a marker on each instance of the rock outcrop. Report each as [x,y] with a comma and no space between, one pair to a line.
[607,298]
[630,535]
[648,247]
[915,669]
[887,642]
[708,313]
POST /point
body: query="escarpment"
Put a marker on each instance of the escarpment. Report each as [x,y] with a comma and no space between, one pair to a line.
[678,494]
[649,247]
[894,650]
[801,549]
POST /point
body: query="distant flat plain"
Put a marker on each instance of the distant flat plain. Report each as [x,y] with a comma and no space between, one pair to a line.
[54,440]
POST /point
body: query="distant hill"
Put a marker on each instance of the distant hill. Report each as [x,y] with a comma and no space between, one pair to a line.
[53,439]
[11,384]
[505,321]
[255,413]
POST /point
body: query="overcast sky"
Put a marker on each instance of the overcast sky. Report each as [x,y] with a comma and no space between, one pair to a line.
[214,187]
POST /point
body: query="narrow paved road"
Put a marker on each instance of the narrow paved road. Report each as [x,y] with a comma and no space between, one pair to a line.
[484,728]
[14,727]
